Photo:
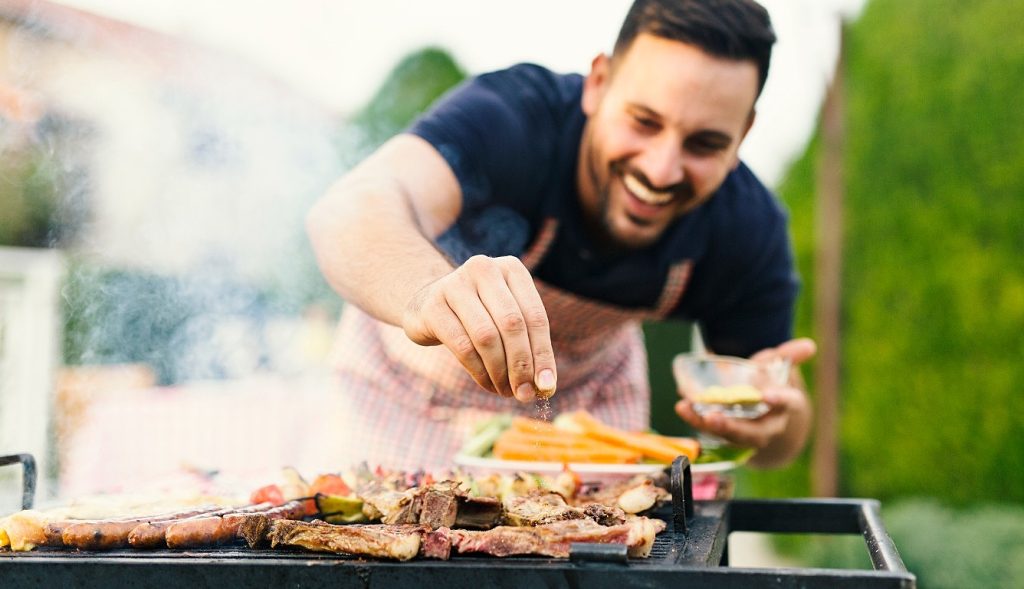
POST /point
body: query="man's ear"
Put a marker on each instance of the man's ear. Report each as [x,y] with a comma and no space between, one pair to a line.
[750,123]
[596,83]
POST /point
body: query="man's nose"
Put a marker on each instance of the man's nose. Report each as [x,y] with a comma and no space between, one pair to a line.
[662,163]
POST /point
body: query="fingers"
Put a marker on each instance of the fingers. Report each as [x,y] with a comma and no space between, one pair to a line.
[432,321]
[489,314]
[543,375]
[749,433]
[508,355]
[797,351]
[484,340]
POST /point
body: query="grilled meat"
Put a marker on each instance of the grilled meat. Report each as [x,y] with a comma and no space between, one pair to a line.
[439,505]
[152,534]
[112,533]
[538,508]
[604,514]
[397,542]
[215,530]
[436,544]
[253,527]
[555,539]
[478,513]
[390,506]
[635,496]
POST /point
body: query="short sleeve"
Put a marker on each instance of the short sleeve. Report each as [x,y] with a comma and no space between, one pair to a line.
[497,131]
[759,313]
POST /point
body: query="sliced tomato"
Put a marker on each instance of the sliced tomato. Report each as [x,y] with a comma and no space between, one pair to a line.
[269,494]
[329,484]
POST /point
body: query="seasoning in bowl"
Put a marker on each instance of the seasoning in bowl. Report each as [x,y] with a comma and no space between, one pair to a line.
[728,385]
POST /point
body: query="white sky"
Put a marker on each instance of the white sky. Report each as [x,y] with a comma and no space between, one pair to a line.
[339,51]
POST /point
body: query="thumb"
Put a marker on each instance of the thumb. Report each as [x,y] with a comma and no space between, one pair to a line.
[798,350]
[795,350]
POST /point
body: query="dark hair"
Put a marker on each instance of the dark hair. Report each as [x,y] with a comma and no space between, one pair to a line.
[733,29]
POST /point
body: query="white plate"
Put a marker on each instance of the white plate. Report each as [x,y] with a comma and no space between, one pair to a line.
[494,465]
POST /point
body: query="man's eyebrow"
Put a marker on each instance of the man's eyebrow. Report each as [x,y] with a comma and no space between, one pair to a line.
[713,135]
[645,110]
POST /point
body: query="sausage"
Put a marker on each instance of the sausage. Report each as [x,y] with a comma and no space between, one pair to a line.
[53,532]
[110,533]
[208,530]
[153,534]
[197,532]
[100,535]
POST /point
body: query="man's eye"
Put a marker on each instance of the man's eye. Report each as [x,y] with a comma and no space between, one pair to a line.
[646,123]
[704,146]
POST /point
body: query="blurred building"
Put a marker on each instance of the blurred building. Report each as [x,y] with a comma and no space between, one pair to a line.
[166,158]
[184,153]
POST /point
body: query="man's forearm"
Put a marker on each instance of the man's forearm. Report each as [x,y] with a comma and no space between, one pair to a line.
[371,249]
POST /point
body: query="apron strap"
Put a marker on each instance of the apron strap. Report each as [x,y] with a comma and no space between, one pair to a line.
[675,285]
[540,246]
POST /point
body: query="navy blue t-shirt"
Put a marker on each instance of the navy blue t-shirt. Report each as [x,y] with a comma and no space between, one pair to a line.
[512,139]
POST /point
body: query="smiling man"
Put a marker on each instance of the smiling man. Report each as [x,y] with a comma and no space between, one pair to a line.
[510,243]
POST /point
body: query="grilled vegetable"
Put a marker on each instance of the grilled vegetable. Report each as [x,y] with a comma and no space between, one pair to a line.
[340,509]
[485,435]
[268,494]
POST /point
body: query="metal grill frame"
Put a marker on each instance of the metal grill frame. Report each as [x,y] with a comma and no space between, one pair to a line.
[692,552]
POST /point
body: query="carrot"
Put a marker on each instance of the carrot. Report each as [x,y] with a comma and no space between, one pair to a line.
[688,447]
[533,425]
[520,451]
[652,448]
[566,440]
[552,437]
[577,441]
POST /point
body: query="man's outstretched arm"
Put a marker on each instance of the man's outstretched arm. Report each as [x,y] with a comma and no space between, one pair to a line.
[372,234]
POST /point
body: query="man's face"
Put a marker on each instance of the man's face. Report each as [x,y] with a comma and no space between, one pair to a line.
[665,122]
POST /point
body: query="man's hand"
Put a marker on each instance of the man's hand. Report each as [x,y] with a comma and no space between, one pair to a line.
[780,434]
[489,314]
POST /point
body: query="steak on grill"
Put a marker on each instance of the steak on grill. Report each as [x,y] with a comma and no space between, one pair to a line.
[398,542]
[555,539]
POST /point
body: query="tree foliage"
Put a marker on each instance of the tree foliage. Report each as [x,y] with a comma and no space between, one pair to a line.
[933,284]
[411,87]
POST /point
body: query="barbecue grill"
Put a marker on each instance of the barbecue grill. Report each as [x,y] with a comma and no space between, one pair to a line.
[693,552]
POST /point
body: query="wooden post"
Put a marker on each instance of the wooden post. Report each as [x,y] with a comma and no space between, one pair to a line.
[828,280]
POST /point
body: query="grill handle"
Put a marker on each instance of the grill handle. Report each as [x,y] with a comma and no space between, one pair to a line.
[586,552]
[820,516]
[680,484]
[28,476]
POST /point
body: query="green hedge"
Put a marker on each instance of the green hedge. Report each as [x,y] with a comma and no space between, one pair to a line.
[933,296]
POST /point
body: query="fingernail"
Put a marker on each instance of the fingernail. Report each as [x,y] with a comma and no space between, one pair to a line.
[525,392]
[546,380]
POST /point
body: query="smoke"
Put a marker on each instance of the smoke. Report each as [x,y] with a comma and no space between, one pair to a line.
[176,179]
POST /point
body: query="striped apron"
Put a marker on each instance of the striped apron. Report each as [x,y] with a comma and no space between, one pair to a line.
[409,406]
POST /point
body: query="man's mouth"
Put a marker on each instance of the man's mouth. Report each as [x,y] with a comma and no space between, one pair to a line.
[645,194]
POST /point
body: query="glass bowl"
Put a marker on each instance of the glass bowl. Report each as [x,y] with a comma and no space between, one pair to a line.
[729,385]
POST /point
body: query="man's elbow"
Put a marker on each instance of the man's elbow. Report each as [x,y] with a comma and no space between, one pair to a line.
[316,224]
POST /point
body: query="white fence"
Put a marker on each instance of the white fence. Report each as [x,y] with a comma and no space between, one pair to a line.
[29,351]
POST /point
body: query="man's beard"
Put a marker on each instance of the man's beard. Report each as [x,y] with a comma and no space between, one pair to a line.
[601,226]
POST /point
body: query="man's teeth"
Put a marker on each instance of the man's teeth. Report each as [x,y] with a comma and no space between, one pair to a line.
[645,194]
